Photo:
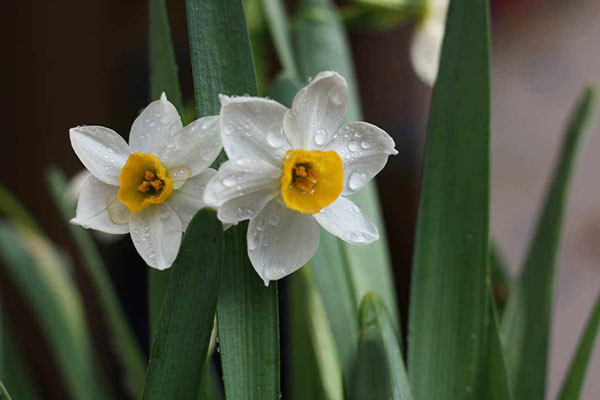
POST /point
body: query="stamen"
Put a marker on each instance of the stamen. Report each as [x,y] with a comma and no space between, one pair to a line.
[150,183]
[304,178]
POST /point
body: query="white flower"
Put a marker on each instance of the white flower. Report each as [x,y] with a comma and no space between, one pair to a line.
[152,187]
[289,170]
[427,40]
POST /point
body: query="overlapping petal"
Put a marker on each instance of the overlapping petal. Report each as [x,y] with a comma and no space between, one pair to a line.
[101,150]
[317,111]
[253,128]
[95,199]
[189,198]
[347,221]
[195,147]
[154,126]
[242,188]
[364,149]
[281,240]
[156,233]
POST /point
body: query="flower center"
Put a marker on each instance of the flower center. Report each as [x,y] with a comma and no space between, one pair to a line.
[143,182]
[311,180]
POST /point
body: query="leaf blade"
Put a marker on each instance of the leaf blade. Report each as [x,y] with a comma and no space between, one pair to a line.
[379,368]
[179,351]
[526,324]
[573,382]
[248,320]
[130,353]
[448,291]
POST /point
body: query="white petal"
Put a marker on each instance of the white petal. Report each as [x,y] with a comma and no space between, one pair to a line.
[281,240]
[189,198]
[347,221]
[92,208]
[75,184]
[318,110]
[425,50]
[253,127]
[101,150]
[154,126]
[364,149]
[242,188]
[156,234]
[196,146]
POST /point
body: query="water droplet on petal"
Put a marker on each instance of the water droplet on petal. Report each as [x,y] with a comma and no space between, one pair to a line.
[353,145]
[357,179]
[252,242]
[229,181]
[365,144]
[275,138]
[320,137]
[273,220]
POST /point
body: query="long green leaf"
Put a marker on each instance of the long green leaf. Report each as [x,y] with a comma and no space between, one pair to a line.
[4,393]
[41,275]
[280,31]
[248,320]
[179,351]
[379,368]
[573,382]
[526,323]
[15,372]
[448,292]
[163,78]
[494,380]
[322,45]
[315,370]
[130,354]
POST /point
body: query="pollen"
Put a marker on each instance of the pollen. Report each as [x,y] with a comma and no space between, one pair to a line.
[311,180]
[143,182]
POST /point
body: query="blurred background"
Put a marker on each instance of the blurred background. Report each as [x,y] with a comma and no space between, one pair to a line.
[84,62]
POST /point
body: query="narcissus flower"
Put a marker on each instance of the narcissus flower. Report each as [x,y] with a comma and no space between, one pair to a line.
[289,171]
[152,187]
[427,40]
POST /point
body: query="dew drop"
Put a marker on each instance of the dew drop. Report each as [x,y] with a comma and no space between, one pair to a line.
[230,181]
[320,137]
[338,97]
[365,144]
[252,242]
[353,145]
[356,180]
[273,220]
[275,139]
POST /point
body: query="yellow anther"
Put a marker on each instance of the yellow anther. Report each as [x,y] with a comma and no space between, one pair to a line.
[143,182]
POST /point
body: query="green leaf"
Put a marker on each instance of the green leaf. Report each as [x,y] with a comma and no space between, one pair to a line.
[15,373]
[163,78]
[4,393]
[179,351]
[163,66]
[379,371]
[573,382]
[322,45]
[130,354]
[315,370]
[41,275]
[448,291]
[280,32]
[248,320]
[526,322]
[494,380]
[14,211]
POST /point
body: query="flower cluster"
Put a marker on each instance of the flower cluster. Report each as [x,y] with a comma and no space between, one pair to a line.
[288,173]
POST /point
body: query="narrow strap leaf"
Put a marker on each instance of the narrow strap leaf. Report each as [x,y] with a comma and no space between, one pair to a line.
[526,322]
[163,78]
[379,371]
[129,352]
[179,351]
[573,382]
[248,320]
[315,370]
[279,27]
[448,291]
[4,393]
[41,276]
